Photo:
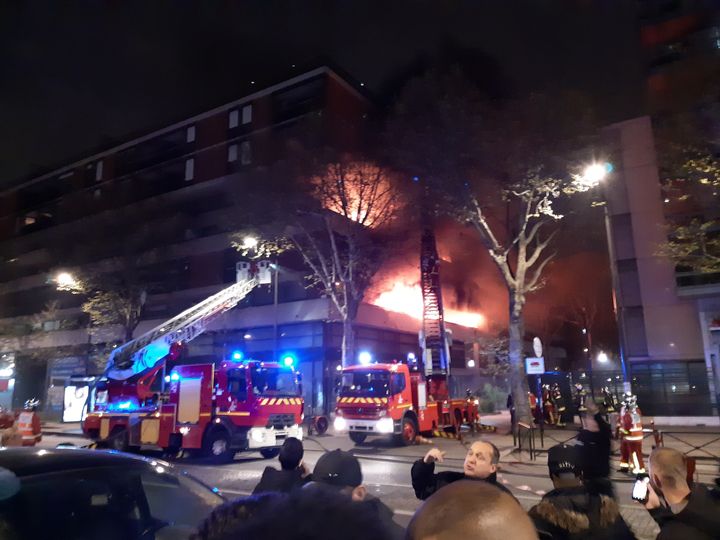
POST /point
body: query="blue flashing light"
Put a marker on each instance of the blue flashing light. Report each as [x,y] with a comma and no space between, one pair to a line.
[364,358]
[237,355]
[174,376]
[608,167]
[124,405]
[288,361]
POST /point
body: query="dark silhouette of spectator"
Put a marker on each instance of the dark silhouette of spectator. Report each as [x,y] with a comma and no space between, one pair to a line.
[225,521]
[303,514]
[467,509]
[481,463]
[594,448]
[293,473]
[570,510]
[682,512]
[339,471]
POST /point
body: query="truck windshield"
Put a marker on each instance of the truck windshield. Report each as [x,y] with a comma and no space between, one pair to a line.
[274,382]
[372,383]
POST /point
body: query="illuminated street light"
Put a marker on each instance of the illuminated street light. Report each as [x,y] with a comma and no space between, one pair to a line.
[66,281]
[364,358]
[471,363]
[592,175]
[249,242]
[602,357]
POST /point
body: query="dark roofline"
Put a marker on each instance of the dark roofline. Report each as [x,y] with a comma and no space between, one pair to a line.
[88,157]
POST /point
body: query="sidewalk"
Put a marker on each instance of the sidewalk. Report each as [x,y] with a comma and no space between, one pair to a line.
[69,429]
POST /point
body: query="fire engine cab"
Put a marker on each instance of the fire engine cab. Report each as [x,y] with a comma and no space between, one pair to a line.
[152,398]
[393,399]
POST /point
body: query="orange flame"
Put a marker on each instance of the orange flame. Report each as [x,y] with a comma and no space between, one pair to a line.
[404,297]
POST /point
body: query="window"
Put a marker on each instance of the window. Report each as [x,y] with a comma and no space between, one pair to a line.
[99,171]
[233,119]
[247,114]
[190,135]
[232,153]
[237,386]
[245,153]
[398,383]
[189,169]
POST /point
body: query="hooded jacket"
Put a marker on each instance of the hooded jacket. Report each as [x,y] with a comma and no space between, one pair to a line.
[425,482]
[699,520]
[573,513]
[280,480]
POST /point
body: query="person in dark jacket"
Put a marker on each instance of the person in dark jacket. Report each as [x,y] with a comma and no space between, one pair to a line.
[593,442]
[570,511]
[339,471]
[682,512]
[292,473]
[481,463]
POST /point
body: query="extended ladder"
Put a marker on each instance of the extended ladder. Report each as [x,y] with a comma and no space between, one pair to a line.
[145,351]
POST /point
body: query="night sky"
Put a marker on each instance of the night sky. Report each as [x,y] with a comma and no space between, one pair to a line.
[79,76]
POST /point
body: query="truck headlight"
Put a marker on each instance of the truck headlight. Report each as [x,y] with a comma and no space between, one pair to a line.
[385,425]
[257,435]
[340,423]
[382,413]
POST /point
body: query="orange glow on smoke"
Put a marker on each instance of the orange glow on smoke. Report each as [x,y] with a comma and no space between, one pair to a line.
[406,298]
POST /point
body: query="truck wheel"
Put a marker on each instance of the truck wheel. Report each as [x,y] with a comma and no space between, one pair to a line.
[321,425]
[269,453]
[118,440]
[407,434]
[217,447]
[357,438]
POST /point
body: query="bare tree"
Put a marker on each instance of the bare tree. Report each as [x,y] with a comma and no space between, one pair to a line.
[342,242]
[502,168]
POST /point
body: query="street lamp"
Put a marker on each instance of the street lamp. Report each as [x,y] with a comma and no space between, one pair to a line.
[602,357]
[65,281]
[249,242]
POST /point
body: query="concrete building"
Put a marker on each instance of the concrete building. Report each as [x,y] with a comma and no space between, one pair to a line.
[665,318]
[170,189]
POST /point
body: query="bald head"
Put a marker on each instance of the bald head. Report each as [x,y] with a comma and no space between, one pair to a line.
[668,468]
[467,509]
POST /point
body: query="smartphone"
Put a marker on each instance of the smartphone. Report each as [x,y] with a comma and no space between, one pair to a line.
[640,490]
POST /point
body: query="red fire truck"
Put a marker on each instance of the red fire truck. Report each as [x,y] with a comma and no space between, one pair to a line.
[392,399]
[152,398]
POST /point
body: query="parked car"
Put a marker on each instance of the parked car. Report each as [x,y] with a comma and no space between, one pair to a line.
[72,493]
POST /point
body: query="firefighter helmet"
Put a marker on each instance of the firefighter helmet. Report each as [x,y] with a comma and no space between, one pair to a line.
[32,404]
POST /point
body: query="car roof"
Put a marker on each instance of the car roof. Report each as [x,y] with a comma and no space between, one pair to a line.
[33,461]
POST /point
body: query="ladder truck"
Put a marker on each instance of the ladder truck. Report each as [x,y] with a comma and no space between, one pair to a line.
[148,398]
[407,399]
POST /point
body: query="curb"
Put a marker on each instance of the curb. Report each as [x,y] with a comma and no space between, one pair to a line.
[64,434]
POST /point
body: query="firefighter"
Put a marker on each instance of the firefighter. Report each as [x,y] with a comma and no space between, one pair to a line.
[631,431]
[548,406]
[609,400]
[29,423]
[580,397]
[534,409]
[559,401]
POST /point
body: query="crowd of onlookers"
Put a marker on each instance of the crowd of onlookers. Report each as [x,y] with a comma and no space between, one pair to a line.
[332,502]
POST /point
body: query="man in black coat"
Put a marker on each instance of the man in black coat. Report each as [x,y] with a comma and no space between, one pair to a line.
[594,451]
[480,464]
[292,473]
[682,512]
[570,511]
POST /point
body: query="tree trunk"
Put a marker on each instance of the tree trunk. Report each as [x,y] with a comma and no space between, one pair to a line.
[518,378]
[348,342]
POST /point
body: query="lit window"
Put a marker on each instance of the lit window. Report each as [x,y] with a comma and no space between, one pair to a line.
[247,114]
[189,169]
[245,153]
[190,134]
[99,171]
[233,119]
[232,153]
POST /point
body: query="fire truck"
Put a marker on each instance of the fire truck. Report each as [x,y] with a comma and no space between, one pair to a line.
[403,400]
[150,397]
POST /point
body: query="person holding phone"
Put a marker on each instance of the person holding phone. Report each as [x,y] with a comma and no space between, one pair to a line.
[293,472]
[682,512]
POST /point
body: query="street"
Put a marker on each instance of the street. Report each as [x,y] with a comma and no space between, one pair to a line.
[386,471]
